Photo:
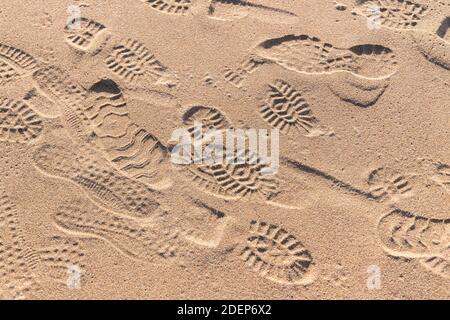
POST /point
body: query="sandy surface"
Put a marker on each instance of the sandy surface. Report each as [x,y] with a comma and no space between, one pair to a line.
[91,205]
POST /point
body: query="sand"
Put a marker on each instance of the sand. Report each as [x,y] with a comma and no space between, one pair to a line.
[93,207]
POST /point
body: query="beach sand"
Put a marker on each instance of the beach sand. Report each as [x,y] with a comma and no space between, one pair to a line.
[92,205]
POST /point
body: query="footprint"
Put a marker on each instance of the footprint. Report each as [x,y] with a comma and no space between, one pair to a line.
[427,240]
[145,243]
[387,184]
[23,267]
[175,7]
[127,59]
[133,63]
[103,184]
[407,15]
[368,67]
[393,14]
[130,148]
[232,180]
[227,10]
[286,108]
[248,66]
[18,122]
[310,55]
[59,86]
[275,254]
[15,64]
[404,234]
[434,46]
[88,36]
[102,112]
[357,91]
[245,180]
[56,85]
[207,117]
